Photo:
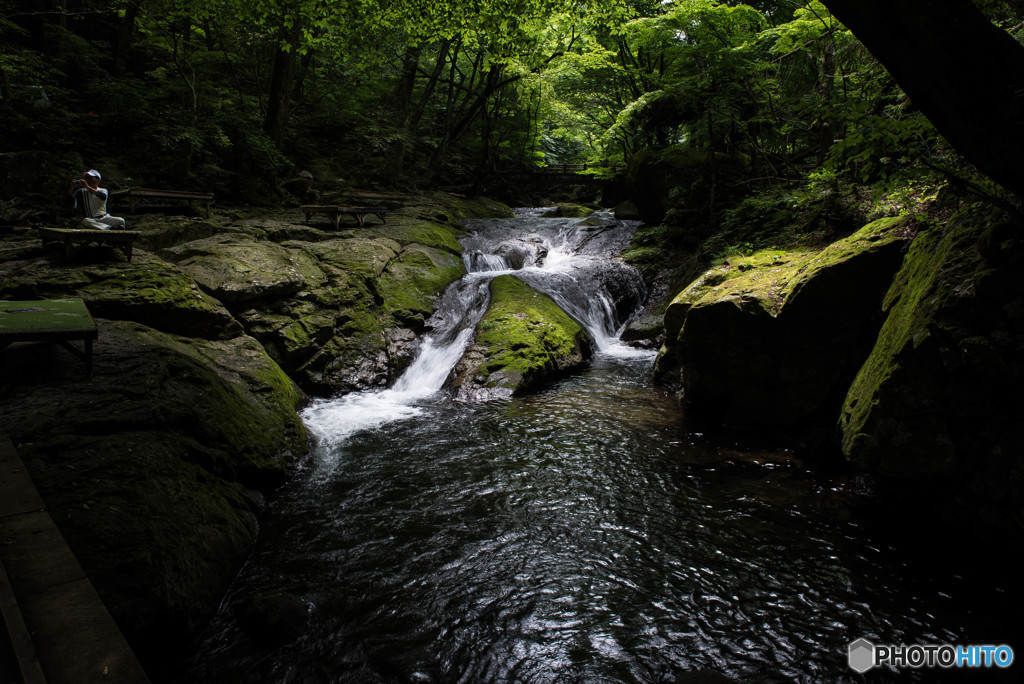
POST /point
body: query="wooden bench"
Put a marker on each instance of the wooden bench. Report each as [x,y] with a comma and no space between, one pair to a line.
[374,196]
[49,320]
[123,239]
[335,213]
[187,195]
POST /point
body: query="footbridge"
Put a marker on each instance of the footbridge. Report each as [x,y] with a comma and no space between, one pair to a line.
[568,174]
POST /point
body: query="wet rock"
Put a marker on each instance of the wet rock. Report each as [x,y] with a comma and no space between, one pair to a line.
[569,211]
[412,282]
[351,333]
[520,254]
[522,341]
[644,331]
[401,348]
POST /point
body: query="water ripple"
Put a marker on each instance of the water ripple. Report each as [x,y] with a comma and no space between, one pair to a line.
[569,537]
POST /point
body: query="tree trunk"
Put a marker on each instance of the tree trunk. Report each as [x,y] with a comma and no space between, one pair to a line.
[125,37]
[281,80]
[428,91]
[402,94]
[964,73]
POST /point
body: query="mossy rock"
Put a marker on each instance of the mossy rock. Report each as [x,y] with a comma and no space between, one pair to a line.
[160,232]
[628,211]
[413,281]
[236,267]
[406,231]
[348,334]
[291,331]
[148,290]
[523,340]
[355,359]
[570,211]
[471,207]
[939,395]
[770,342]
[150,466]
[363,256]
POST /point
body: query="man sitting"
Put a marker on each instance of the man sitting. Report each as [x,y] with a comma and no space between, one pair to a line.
[91,201]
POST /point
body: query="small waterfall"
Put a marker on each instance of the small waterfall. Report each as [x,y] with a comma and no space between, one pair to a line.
[478,262]
[461,307]
[568,262]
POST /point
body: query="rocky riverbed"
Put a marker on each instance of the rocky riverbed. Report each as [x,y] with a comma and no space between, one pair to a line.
[157,465]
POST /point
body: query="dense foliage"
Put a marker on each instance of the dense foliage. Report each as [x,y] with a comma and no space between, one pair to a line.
[239,95]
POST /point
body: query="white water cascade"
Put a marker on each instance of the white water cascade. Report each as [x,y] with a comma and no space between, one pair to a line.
[558,257]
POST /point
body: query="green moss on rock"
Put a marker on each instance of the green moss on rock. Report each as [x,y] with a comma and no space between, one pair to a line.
[933,396]
[236,267]
[148,290]
[149,466]
[411,283]
[771,341]
[407,231]
[570,211]
[522,340]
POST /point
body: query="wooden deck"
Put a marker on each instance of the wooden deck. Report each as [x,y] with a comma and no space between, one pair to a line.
[49,320]
[335,212]
[69,237]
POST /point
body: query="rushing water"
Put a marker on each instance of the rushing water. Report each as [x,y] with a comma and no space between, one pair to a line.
[584,533]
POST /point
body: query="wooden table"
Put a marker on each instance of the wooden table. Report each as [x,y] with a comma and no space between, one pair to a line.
[187,195]
[123,239]
[49,320]
[335,212]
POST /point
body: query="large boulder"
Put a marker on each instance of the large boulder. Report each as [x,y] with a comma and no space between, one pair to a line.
[237,267]
[771,342]
[356,330]
[939,396]
[522,341]
[152,467]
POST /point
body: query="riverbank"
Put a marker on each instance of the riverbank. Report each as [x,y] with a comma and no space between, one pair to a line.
[156,467]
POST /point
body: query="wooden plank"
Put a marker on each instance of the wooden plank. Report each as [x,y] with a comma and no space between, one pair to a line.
[18,637]
[18,496]
[17,493]
[74,637]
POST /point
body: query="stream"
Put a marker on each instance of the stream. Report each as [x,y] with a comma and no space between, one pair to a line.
[583,533]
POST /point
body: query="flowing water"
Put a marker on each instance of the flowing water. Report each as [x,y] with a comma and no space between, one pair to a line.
[585,533]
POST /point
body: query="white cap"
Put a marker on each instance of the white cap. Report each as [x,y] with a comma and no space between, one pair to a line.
[93,172]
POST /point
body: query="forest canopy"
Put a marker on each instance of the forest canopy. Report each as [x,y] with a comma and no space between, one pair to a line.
[235,95]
